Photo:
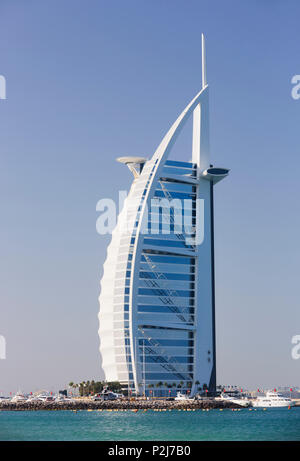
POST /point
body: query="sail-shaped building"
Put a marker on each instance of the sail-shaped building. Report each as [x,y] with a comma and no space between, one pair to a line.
[157,300]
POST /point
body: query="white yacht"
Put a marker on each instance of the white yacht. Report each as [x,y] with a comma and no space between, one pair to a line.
[19,397]
[45,398]
[106,395]
[237,399]
[32,398]
[273,399]
[181,396]
[63,398]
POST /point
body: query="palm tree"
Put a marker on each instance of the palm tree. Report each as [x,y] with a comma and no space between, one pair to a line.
[197,383]
[159,384]
[75,387]
[150,386]
[174,385]
[166,385]
[71,385]
[88,387]
[80,386]
[83,388]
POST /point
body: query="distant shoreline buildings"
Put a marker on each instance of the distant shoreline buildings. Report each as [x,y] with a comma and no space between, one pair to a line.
[157,301]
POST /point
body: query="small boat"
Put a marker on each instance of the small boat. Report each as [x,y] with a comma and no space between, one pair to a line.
[181,396]
[235,397]
[19,397]
[106,394]
[32,398]
[273,399]
[63,398]
[45,398]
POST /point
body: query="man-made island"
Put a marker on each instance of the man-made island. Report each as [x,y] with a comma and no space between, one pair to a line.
[134,405]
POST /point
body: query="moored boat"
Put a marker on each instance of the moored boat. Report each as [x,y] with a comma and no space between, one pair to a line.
[235,397]
[19,397]
[181,396]
[272,399]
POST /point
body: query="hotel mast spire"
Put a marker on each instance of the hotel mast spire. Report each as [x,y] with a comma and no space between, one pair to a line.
[200,150]
[204,82]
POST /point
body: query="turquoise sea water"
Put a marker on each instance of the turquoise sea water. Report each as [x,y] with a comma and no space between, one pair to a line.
[272,424]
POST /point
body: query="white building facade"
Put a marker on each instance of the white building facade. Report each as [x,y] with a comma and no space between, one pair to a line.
[157,301]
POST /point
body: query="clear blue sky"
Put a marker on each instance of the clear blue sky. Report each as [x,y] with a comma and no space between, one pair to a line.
[89,81]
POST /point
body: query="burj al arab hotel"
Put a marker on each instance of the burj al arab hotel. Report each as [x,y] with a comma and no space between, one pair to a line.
[157,300]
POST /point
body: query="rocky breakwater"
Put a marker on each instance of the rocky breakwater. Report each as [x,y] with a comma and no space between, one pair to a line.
[205,404]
